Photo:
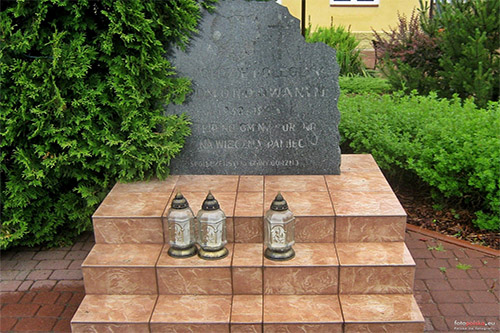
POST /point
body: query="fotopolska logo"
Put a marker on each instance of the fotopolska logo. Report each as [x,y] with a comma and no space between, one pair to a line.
[476,325]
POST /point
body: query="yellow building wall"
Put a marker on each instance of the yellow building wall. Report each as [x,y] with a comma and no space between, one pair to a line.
[361,20]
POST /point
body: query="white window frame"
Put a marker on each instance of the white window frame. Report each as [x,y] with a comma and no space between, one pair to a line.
[354,2]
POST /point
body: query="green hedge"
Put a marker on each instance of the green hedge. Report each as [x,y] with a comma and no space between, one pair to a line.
[364,84]
[84,85]
[450,144]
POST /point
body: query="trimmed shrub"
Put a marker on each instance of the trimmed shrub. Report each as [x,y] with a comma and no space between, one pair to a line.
[346,45]
[84,85]
[450,144]
[364,84]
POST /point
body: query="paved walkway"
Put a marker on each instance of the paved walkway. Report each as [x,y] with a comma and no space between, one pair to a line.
[457,288]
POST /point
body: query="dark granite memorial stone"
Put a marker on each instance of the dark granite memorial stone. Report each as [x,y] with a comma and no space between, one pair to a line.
[264,101]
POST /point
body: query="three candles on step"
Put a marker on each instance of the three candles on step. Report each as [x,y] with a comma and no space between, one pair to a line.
[208,230]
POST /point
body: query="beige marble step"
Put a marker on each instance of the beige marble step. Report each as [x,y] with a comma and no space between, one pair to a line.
[314,270]
[356,206]
[317,268]
[248,313]
[114,313]
[169,313]
[147,269]
[121,269]
[375,268]
[190,313]
[132,213]
[302,313]
[194,276]
[381,313]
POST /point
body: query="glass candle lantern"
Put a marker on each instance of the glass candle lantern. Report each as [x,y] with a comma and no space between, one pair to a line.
[279,231]
[181,228]
[211,230]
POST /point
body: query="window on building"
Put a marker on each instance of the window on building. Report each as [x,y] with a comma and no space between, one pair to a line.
[354,2]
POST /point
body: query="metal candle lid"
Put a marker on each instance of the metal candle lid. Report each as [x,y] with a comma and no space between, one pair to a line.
[279,204]
[179,202]
[210,203]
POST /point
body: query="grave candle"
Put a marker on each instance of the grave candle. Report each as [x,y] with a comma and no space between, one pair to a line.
[279,230]
[211,230]
[181,228]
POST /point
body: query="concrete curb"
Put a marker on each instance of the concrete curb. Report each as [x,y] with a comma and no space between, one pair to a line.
[452,240]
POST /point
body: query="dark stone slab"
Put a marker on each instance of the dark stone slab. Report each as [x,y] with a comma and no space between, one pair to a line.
[264,101]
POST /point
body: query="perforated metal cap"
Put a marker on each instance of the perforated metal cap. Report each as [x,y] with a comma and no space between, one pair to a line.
[210,203]
[179,202]
[279,203]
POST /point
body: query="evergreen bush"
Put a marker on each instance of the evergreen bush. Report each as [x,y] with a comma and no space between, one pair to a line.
[452,145]
[346,46]
[84,85]
[456,51]
[468,32]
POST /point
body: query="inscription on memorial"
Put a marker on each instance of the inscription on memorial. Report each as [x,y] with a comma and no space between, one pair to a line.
[263,101]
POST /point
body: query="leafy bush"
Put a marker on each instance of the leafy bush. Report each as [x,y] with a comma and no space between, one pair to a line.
[83,89]
[408,56]
[450,144]
[469,38]
[364,84]
[346,45]
[454,52]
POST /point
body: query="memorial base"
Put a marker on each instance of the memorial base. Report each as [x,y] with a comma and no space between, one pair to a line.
[352,271]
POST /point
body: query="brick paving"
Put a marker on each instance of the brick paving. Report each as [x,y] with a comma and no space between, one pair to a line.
[456,287]
[41,289]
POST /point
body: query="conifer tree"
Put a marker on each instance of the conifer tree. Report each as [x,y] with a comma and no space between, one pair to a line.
[84,84]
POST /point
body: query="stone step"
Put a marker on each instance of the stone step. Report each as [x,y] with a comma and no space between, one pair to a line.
[114,313]
[132,213]
[302,313]
[317,268]
[195,276]
[121,269]
[314,270]
[248,313]
[355,206]
[375,268]
[381,313]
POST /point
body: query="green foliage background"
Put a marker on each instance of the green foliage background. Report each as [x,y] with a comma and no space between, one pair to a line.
[468,33]
[344,43]
[450,144]
[364,84]
[408,56]
[84,85]
[454,52]
[83,89]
